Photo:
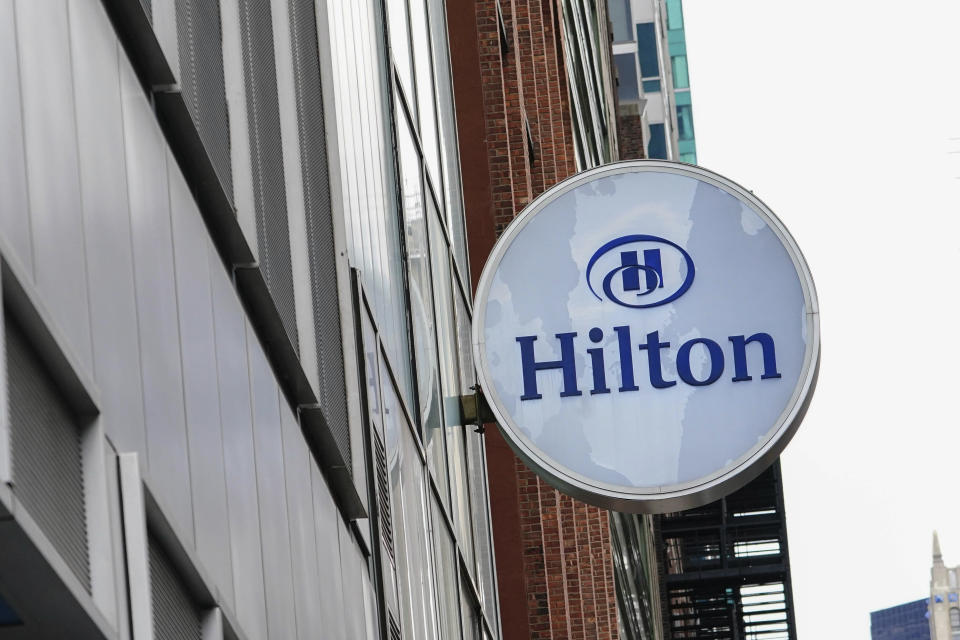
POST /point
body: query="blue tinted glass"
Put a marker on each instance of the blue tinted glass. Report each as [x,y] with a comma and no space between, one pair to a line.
[681,77]
[685,122]
[7,616]
[658,142]
[689,158]
[682,97]
[674,14]
[627,77]
[687,146]
[621,19]
[650,86]
[647,50]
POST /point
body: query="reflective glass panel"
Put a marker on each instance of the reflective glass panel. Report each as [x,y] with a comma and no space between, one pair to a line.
[685,122]
[449,593]
[423,65]
[400,43]
[627,91]
[681,77]
[416,233]
[651,86]
[447,337]
[622,20]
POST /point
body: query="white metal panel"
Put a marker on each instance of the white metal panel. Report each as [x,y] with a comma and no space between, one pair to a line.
[238,454]
[303,542]
[278,581]
[14,209]
[53,177]
[192,249]
[330,596]
[156,305]
[103,180]
[135,545]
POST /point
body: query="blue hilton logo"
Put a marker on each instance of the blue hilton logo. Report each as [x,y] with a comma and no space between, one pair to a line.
[639,278]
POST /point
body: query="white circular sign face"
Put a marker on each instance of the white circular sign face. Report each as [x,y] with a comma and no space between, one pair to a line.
[647,335]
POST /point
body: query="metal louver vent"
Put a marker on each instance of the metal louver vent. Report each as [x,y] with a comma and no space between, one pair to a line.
[319,222]
[47,454]
[269,190]
[175,616]
[383,494]
[394,627]
[200,45]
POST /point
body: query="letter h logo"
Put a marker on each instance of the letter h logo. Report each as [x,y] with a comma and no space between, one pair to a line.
[631,268]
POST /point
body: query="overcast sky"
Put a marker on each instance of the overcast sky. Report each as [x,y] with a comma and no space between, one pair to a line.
[844,117]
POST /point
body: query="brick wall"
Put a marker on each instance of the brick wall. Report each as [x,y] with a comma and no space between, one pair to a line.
[630,135]
[554,564]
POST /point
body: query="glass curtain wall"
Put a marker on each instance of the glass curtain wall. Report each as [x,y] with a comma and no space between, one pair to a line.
[439,574]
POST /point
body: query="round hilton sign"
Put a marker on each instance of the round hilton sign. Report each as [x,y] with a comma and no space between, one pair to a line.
[647,335]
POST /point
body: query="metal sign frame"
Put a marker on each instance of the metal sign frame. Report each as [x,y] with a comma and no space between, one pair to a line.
[672,497]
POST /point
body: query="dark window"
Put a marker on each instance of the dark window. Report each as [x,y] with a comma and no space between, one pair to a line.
[627,91]
[651,86]
[621,18]
[647,50]
[658,142]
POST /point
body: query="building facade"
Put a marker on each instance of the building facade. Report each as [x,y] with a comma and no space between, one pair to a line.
[236,319]
[903,622]
[655,112]
[534,96]
[944,603]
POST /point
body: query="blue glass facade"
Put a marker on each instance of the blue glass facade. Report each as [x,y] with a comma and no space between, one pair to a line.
[902,622]
[677,43]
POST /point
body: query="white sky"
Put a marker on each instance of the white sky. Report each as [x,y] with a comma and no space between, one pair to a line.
[839,115]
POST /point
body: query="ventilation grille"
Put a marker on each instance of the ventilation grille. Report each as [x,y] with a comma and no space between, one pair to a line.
[383,495]
[394,627]
[263,117]
[319,222]
[47,454]
[175,616]
[201,79]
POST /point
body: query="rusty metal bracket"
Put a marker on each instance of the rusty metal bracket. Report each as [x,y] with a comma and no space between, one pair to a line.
[475,411]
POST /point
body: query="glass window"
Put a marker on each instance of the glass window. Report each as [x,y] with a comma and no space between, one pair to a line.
[400,43]
[674,14]
[651,86]
[681,76]
[627,91]
[456,448]
[657,148]
[685,122]
[476,461]
[689,158]
[449,593]
[647,50]
[413,545]
[423,66]
[622,20]
[448,138]
[955,617]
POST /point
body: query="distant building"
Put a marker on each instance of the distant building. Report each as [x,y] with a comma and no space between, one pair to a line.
[902,622]
[944,605]
[655,113]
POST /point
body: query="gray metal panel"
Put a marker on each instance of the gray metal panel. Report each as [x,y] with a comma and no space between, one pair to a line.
[106,224]
[352,566]
[53,176]
[156,305]
[319,222]
[263,112]
[238,453]
[330,596]
[46,453]
[14,209]
[175,615]
[303,540]
[200,43]
[272,491]
[198,352]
